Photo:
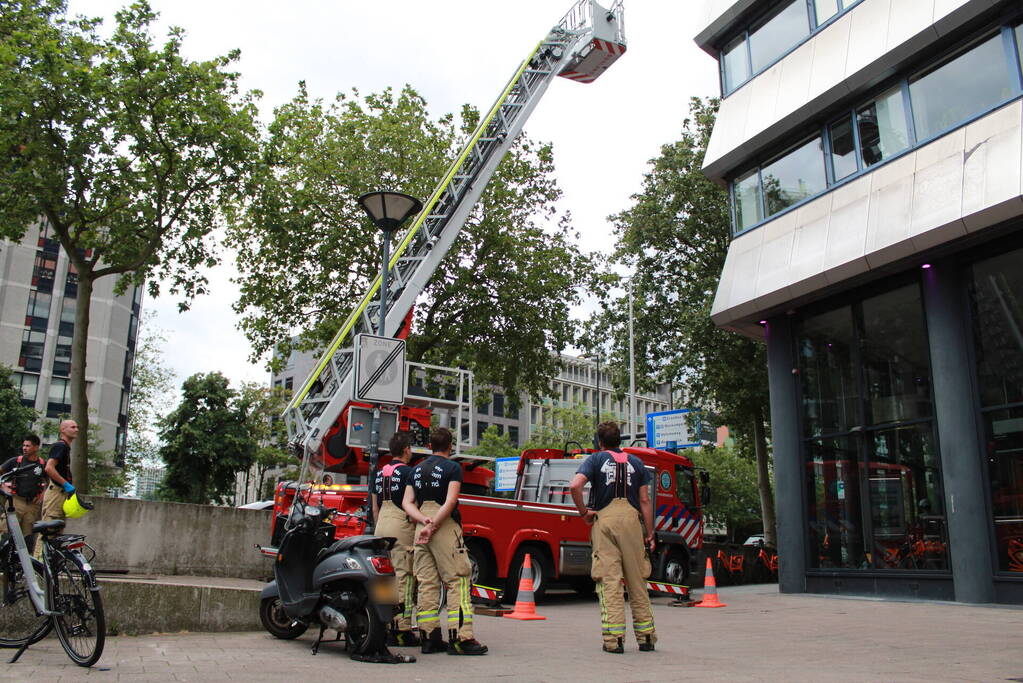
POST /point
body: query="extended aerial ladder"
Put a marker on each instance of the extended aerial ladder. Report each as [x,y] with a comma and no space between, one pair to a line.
[586,41]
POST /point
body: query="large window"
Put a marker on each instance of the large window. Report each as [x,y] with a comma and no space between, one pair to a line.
[873,480]
[778,34]
[59,400]
[996,290]
[32,343]
[970,83]
[38,312]
[772,35]
[921,106]
[793,177]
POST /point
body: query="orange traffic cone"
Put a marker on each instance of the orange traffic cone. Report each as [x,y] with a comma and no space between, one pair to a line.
[710,589]
[525,607]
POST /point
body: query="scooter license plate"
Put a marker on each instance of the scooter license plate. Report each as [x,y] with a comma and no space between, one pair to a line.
[385,591]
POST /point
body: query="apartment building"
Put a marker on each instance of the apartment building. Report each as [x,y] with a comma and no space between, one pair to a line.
[872,154]
[38,300]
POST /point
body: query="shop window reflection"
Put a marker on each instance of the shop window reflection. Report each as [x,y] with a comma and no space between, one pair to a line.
[836,531]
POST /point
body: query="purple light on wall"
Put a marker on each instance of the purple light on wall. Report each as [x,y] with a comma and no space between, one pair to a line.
[926,266]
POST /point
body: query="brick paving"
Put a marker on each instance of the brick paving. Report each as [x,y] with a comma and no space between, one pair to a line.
[760,636]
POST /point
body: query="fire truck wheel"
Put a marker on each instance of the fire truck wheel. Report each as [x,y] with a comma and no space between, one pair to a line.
[541,573]
[676,567]
[482,567]
[277,623]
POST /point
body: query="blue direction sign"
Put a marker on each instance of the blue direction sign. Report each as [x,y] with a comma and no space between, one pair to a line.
[668,429]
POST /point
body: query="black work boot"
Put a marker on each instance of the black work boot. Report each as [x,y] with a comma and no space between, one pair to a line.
[469,646]
[647,644]
[407,638]
[432,642]
[615,649]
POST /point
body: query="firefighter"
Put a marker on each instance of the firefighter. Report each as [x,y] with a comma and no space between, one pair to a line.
[440,557]
[389,492]
[618,498]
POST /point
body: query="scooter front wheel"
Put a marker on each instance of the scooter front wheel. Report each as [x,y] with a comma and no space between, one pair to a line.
[277,622]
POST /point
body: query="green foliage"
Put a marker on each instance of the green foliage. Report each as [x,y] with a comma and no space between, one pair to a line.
[494,445]
[733,481]
[151,383]
[499,302]
[676,236]
[263,407]
[563,424]
[206,440]
[124,148]
[15,419]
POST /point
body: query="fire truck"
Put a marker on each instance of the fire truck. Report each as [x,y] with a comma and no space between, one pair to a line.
[538,518]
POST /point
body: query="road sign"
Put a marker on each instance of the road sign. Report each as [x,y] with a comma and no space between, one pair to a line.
[507,473]
[668,429]
[379,369]
[360,423]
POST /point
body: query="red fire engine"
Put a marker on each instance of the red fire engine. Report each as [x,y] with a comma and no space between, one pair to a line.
[538,518]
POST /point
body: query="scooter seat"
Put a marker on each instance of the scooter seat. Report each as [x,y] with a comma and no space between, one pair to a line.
[353,542]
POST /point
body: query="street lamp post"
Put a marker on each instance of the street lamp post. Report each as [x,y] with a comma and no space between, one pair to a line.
[632,372]
[388,211]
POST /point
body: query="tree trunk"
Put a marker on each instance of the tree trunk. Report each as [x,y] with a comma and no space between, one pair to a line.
[79,394]
[764,481]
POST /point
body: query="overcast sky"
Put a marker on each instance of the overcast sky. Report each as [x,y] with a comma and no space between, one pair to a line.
[453,52]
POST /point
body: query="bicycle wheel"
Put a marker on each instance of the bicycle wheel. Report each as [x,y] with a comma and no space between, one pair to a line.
[81,625]
[19,622]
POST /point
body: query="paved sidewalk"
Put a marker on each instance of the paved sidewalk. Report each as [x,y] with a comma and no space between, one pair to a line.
[760,636]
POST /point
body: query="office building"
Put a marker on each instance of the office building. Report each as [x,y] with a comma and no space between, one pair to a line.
[872,154]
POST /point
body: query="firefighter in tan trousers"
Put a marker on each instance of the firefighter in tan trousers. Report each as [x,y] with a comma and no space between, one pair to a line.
[440,557]
[391,520]
[618,497]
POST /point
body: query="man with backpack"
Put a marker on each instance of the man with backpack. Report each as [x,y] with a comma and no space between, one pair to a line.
[620,510]
[28,488]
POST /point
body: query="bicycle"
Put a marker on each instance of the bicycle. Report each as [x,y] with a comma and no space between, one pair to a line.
[765,564]
[57,593]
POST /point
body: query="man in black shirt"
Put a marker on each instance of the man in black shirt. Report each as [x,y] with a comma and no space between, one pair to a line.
[440,555]
[388,495]
[618,497]
[28,489]
[58,469]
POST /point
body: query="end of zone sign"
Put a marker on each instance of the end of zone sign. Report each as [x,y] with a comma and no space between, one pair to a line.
[379,369]
[669,430]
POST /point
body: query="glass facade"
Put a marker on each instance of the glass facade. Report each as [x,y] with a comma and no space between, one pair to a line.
[923,104]
[872,472]
[778,34]
[996,296]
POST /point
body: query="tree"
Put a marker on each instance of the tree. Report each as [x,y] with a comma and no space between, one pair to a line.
[15,418]
[263,407]
[124,149]
[733,480]
[151,383]
[499,302]
[495,445]
[206,440]
[676,236]
[565,424]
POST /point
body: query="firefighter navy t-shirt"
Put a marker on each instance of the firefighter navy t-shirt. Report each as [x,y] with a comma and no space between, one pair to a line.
[430,480]
[61,452]
[600,469]
[400,478]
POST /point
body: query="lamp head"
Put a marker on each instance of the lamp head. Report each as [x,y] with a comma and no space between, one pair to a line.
[388,210]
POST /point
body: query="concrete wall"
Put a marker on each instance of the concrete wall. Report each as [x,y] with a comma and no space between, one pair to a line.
[147,537]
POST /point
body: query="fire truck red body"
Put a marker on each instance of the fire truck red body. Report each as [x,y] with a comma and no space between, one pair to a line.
[538,518]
